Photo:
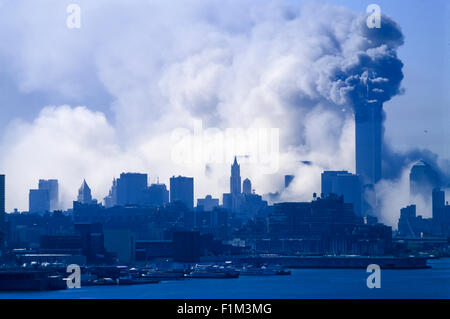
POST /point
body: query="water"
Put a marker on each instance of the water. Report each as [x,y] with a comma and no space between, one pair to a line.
[303,283]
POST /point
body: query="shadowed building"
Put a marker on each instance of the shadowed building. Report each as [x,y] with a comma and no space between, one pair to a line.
[127,190]
[441,213]
[438,204]
[412,225]
[2,212]
[39,201]
[422,179]
[53,190]
[368,133]
[130,187]
[325,226]
[155,195]
[247,187]
[345,184]
[2,194]
[182,189]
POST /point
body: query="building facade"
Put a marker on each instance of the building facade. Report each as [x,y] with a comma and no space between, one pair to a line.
[182,189]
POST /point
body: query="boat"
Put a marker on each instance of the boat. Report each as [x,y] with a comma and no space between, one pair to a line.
[262,271]
[128,280]
[104,282]
[164,275]
[205,274]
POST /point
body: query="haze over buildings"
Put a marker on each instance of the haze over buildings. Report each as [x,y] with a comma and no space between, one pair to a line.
[320,65]
[52,187]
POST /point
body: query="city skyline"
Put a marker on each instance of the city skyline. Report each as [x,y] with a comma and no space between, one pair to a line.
[134,189]
[225,149]
[104,138]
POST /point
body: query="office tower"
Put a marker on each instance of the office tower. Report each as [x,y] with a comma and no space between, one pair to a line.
[155,195]
[235,179]
[2,211]
[438,204]
[247,186]
[130,187]
[39,201]
[208,203]
[288,180]
[368,133]
[422,179]
[182,189]
[51,186]
[345,184]
[84,194]
[2,194]
[407,215]
[327,178]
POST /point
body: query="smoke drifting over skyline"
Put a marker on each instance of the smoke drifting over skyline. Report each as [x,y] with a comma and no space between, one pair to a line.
[162,66]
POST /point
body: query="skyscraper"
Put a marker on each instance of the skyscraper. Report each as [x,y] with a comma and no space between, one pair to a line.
[182,189]
[345,184]
[422,179]
[39,201]
[52,186]
[84,194]
[438,204]
[368,134]
[130,187]
[235,179]
[247,186]
[155,195]
[2,194]
[2,209]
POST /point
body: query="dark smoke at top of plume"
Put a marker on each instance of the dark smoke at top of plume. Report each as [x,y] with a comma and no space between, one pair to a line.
[375,75]
[374,78]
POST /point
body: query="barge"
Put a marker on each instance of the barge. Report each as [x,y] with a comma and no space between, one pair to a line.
[385,262]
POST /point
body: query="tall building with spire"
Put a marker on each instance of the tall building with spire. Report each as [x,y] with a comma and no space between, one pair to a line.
[84,194]
[235,179]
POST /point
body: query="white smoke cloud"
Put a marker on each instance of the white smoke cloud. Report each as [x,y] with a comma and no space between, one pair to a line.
[226,63]
[395,194]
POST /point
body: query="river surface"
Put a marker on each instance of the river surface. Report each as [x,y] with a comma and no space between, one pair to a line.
[302,283]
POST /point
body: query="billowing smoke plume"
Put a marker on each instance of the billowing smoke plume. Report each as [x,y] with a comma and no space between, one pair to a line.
[373,73]
[164,65]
